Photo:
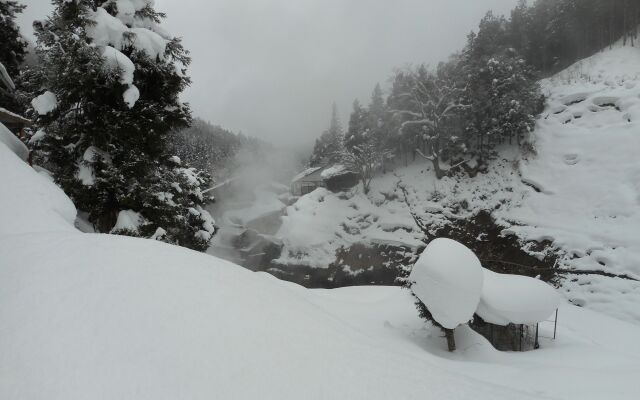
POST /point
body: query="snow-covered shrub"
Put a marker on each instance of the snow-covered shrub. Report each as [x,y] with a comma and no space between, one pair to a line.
[447,281]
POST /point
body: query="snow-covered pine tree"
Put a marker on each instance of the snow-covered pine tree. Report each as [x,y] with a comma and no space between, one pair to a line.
[111,77]
[362,152]
[328,147]
[502,93]
[358,126]
[12,47]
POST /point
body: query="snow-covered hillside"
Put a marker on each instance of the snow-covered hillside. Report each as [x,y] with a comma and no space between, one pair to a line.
[588,175]
[580,191]
[102,317]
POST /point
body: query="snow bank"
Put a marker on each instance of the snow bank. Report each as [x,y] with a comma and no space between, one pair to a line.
[448,280]
[102,317]
[515,299]
[13,143]
[30,202]
[45,103]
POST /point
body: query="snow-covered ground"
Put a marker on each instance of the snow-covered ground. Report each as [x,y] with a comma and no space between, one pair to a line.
[91,316]
[321,222]
[588,174]
[580,191]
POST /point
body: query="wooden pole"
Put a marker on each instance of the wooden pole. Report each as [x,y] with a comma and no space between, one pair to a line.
[555,325]
[451,340]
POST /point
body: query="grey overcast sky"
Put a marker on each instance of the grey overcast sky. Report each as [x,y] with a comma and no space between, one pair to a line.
[272,68]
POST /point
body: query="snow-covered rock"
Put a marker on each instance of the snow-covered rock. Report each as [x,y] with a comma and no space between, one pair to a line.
[448,280]
[515,299]
[321,222]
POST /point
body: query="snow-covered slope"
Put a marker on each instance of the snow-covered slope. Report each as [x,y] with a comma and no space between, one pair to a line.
[29,201]
[88,316]
[588,173]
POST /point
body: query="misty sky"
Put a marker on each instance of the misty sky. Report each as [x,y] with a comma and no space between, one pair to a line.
[272,68]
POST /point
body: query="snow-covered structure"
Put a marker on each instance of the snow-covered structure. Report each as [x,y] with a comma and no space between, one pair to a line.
[338,178]
[307,181]
[10,119]
[11,122]
[451,283]
[510,309]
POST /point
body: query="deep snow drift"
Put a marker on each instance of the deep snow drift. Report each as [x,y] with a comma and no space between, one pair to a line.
[103,317]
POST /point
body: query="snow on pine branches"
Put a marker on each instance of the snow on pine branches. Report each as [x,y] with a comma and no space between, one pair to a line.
[116,76]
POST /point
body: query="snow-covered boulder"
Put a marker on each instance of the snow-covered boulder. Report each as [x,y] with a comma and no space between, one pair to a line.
[448,280]
[515,299]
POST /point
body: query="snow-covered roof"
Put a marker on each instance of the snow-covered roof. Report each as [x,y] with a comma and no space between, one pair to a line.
[5,78]
[515,299]
[11,117]
[333,171]
[305,173]
[13,143]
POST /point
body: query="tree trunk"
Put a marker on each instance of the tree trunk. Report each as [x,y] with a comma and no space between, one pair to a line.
[451,340]
[440,173]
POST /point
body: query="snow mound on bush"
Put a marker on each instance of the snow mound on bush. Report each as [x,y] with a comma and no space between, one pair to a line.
[515,299]
[448,280]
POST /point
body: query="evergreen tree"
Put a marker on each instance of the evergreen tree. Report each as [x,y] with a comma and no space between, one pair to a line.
[377,114]
[358,126]
[363,153]
[111,80]
[328,147]
[12,48]
[502,95]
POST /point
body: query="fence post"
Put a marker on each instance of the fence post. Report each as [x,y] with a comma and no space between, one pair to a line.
[555,325]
